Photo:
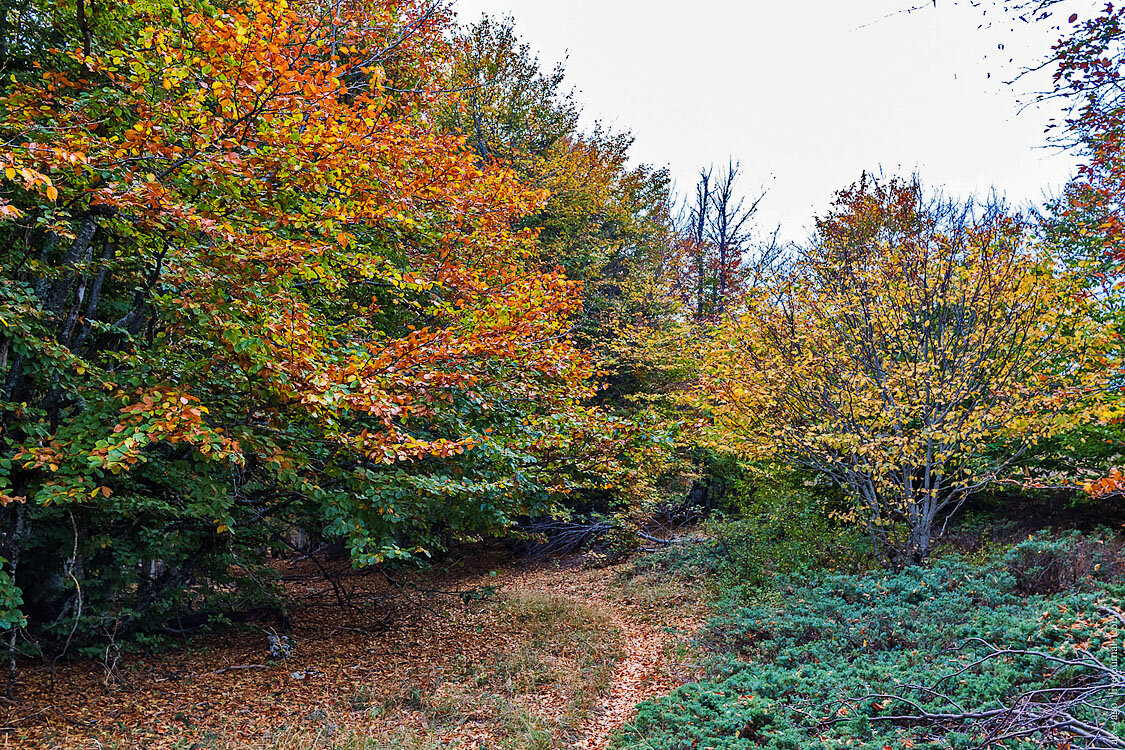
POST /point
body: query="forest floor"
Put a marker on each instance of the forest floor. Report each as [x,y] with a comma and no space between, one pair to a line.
[487,654]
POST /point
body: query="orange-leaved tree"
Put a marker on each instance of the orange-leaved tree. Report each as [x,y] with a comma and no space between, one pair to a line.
[605,223]
[1087,223]
[250,284]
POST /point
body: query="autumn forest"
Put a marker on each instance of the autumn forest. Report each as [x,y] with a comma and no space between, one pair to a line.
[356,393]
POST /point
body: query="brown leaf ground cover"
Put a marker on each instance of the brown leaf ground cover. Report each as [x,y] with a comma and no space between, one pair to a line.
[554,655]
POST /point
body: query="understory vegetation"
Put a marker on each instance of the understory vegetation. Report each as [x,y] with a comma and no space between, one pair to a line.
[1014,643]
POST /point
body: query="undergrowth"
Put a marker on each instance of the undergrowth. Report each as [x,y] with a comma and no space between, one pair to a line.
[770,533]
[801,666]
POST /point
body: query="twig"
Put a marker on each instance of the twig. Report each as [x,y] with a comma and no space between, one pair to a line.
[673,540]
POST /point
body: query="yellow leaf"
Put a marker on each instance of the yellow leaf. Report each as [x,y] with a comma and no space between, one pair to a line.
[52,192]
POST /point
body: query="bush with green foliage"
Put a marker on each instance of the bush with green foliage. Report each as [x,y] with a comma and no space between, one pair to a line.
[802,672]
[771,532]
[782,530]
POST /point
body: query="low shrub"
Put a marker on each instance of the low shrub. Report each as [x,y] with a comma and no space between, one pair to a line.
[818,667]
[695,561]
[777,531]
[1047,563]
[783,531]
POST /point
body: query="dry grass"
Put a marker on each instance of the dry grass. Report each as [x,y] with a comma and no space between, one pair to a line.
[532,695]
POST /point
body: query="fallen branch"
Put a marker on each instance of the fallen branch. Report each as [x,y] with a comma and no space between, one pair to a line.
[1113,613]
[673,540]
[552,538]
[1075,713]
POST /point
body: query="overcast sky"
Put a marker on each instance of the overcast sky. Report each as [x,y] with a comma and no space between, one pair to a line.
[806,95]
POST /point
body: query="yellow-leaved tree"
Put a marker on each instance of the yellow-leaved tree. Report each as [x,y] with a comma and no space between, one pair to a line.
[911,353]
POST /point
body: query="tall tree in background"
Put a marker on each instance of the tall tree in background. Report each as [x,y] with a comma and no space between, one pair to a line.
[730,234]
[1088,78]
[603,222]
[697,239]
[1087,224]
[721,254]
[712,259]
[511,109]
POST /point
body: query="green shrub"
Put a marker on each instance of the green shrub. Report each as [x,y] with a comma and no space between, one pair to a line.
[683,561]
[1046,563]
[793,673]
[783,531]
[773,532]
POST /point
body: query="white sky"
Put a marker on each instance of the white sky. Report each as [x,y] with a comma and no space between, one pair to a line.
[806,95]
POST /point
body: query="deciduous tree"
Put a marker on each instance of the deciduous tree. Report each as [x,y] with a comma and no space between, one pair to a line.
[251,283]
[912,354]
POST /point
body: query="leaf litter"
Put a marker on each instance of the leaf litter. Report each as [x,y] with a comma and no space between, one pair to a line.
[556,654]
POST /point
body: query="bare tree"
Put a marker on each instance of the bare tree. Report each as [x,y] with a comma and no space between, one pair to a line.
[699,218]
[730,232]
[724,256]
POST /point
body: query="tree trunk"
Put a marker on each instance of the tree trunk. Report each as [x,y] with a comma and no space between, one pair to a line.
[15,537]
[921,534]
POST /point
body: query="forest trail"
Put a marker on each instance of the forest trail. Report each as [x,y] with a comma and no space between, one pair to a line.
[555,655]
[646,671]
[649,620]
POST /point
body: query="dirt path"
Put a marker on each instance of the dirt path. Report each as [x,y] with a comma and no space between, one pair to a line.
[396,669]
[650,622]
[643,674]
